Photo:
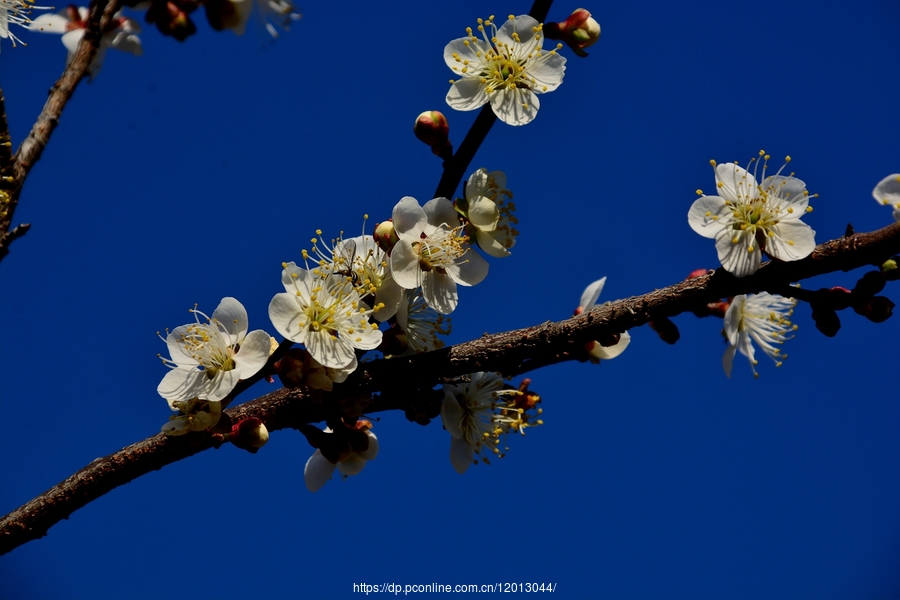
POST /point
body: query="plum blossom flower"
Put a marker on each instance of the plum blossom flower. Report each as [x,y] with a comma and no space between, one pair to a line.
[72,24]
[887,192]
[760,318]
[488,208]
[208,359]
[433,252]
[478,413]
[325,314]
[747,218]
[506,67]
[421,323]
[596,352]
[16,12]
[318,469]
[193,415]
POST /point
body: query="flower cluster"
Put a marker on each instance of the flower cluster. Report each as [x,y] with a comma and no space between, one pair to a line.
[506,67]
[170,17]
[478,413]
[747,218]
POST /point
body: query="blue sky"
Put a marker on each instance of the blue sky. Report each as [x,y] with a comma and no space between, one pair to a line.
[190,173]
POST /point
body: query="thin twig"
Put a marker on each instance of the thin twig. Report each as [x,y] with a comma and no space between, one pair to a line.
[511,352]
[29,152]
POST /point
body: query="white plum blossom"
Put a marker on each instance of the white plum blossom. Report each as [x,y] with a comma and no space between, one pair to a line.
[746,218]
[596,352]
[193,415]
[421,323]
[478,413]
[433,252]
[488,207]
[209,359]
[761,318]
[16,12]
[367,266]
[72,24]
[318,469]
[325,314]
[887,192]
[506,67]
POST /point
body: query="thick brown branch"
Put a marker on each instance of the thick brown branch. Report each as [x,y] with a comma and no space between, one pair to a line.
[512,352]
[30,150]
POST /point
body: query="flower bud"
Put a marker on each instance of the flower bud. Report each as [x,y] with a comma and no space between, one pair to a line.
[385,236]
[249,434]
[891,269]
[666,330]
[696,273]
[579,31]
[869,284]
[826,320]
[432,128]
[293,367]
[877,309]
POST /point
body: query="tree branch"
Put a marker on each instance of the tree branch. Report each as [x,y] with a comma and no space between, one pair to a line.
[401,379]
[30,150]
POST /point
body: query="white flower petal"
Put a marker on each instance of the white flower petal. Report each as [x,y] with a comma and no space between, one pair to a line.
[409,218]
[372,451]
[253,354]
[328,350]
[728,360]
[351,466]
[518,106]
[735,256]
[464,50]
[709,215]
[462,454]
[547,72]
[609,352]
[737,184]
[887,191]
[70,40]
[467,93]
[52,23]
[390,294]
[490,244]
[451,415]
[483,212]
[285,315]
[232,315]
[591,293]
[793,241]
[440,211]
[317,471]
[405,265]
[440,292]
[470,271]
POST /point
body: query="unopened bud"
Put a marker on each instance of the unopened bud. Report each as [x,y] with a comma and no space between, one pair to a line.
[869,284]
[877,309]
[666,330]
[249,434]
[890,269]
[839,298]
[385,236]
[579,31]
[293,367]
[826,320]
[696,273]
[432,128]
